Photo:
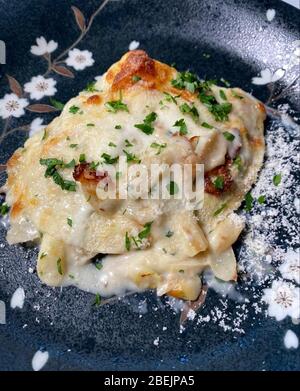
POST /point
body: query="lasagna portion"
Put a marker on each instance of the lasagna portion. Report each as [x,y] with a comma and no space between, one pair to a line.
[147,112]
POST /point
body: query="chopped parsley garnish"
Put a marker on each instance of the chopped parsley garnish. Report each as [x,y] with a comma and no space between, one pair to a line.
[116,105]
[181,271]
[118,127]
[234,94]
[128,143]
[172,188]
[229,136]
[90,87]
[171,98]
[4,208]
[59,266]
[146,126]
[261,199]
[146,231]
[219,111]
[127,242]
[276,179]
[191,110]
[70,222]
[169,234]
[222,95]
[82,158]
[97,300]
[90,124]
[57,104]
[94,165]
[43,255]
[52,165]
[225,82]
[71,276]
[98,265]
[74,109]
[182,126]
[111,144]
[220,210]
[219,183]
[73,145]
[190,82]
[238,162]
[118,174]
[248,202]
[206,125]
[158,146]
[131,157]
[136,78]
[108,159]
[44,135]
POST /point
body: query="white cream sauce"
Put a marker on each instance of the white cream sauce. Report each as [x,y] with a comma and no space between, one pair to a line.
[39,360]
[291,340]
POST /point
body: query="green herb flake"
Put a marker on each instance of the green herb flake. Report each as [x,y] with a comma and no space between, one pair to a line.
[70,222]
[97,300]
[45,135]
[71,276]
[238,162]
[108,159]
[4,208]
[220,210]
[170,98]
[276,179]
[130,157]
[225,82]
[59,266]
[43,255]
[127,242]
[112,145]
[116,105]
[128,143]
[182,126]
[219,183]
[172,188]
[206,125]
[98,265]
[74,109]
[118,127]
[136,78]
[229,136]
[222,95]
[181,271]
[57,104]
[261,199]
[52,165]
[90,87]
[191,110]
[248,202]
[146,127]
[90,125]
[73,145]
[158,146]
[146,231]
[236,95]
[82,158]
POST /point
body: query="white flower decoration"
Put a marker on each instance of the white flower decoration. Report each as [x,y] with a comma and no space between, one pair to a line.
[290,269]
[39,87]
[283,300]
[36,126]
[266,76]
[80,59]
[43,47]
[12,105]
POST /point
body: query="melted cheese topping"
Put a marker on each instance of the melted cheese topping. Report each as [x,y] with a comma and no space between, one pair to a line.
[75,226]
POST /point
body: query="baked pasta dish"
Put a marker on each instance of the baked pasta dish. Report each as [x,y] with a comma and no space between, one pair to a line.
[147,113]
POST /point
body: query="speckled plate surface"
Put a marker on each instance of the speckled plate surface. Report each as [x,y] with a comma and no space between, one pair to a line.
[233,40]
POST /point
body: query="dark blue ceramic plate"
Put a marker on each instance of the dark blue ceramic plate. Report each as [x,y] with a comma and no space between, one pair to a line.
[229,39]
